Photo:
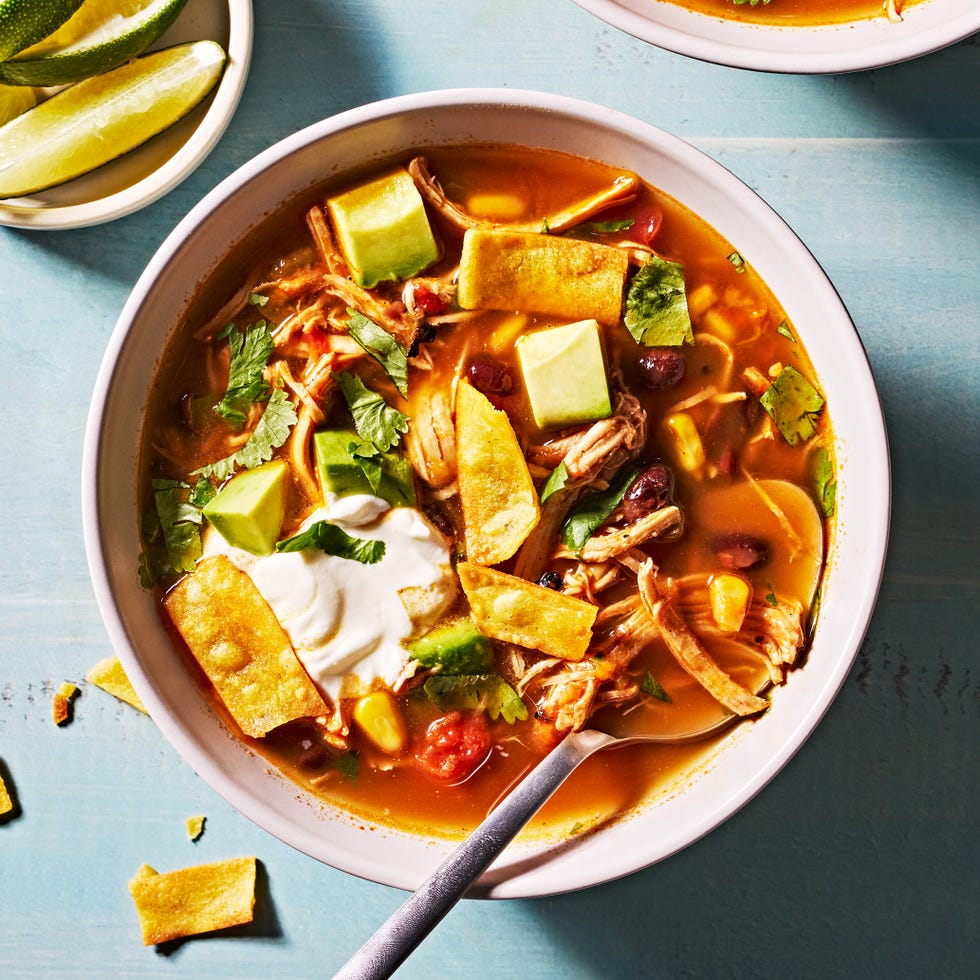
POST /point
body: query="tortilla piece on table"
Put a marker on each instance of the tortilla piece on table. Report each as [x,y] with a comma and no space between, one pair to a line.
[192,900]
[195,826]
[500,504]
[517,611]
[237,640]
[563,277]
[6,800]
[61,703]
[111,677]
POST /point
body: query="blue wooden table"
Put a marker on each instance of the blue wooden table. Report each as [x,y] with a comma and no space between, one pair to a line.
[859,860]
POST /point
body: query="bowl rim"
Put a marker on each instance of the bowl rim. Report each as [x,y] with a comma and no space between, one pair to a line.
[218,112]
[503,880]
[869,43]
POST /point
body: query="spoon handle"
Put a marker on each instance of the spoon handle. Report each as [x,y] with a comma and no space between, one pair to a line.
[388,948]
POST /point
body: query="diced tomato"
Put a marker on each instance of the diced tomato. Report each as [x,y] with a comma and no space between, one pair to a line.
[429,302]
[454,747]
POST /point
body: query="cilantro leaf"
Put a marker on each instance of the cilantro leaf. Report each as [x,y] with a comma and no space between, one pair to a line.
[555,482]
[826,485]
[257,299]
[271,431]
[736,260]
[784,331]
[650,685]
[793,404]
[604,227]
[770,596]
[349,766]
[249,354]
[368,458]
[594,510]
[334,540]
[382,347]
[656,305]
[477,692]
[180,523]
[374,419]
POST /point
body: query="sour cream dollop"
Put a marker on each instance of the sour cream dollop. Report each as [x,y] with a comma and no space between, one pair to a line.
[347,620]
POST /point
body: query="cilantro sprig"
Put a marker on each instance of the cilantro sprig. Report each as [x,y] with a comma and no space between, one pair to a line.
[656,305]
[249,354]
[374,419]
[334,540]
[382,347]
[594,510]
[477,692]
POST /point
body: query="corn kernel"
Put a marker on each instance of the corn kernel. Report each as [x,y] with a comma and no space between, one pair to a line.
[720,322]
[729,596]
[702,298]
[498,206]
[380,719]
[688,449]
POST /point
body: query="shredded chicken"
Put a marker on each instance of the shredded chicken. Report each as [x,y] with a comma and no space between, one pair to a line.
[623,189]
[688,650]
[615,541]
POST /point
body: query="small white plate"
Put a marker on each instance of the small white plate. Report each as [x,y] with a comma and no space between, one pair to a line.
[872,43]
[147,173]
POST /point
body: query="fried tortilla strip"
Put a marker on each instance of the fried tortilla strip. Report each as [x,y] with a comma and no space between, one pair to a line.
[563,277]
[193,900]
[6,800]
[110,676]
[61,703]
[500,504]
[517,611]
[237,640]
[689,652]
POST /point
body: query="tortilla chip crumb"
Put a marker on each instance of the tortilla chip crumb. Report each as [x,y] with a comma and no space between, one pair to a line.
[110,676]
[195,827]
[61,707]
[193,900]
[6,803]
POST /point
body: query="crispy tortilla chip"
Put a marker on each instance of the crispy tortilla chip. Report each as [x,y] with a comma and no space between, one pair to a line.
[193,900]
[6,801]
[517,611]
[195,827]
[237,640]
[110,676]
[500,504]
[61,704]
[564,277]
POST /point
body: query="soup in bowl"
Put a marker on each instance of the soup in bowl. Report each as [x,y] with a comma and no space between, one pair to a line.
[460,422]
[796,36]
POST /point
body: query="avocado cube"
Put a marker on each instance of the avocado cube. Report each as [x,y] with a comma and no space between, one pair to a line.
[457,647]
[564,374]
[340,474]
[248,510]
[383,230]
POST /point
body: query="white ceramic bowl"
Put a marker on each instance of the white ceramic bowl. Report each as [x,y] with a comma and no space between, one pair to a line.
[872,43]
[753,754]
[147,173]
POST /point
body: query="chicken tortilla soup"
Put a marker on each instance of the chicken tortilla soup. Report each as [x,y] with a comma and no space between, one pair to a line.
[481,446]
[799,13]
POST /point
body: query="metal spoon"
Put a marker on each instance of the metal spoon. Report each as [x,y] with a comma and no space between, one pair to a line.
[388,948]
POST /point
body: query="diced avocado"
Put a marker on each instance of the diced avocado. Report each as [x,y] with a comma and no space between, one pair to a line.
[248,510]
[383,230]
[564,374]
[457,647]
[342,475]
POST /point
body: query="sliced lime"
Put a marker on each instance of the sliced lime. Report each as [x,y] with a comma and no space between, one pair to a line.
[15,99]
[25,22]
[89,124]
[100,36]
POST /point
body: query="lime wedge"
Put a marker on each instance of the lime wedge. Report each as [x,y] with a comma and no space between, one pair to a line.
[89,124]
[25,22]
[101,35]
[15,99]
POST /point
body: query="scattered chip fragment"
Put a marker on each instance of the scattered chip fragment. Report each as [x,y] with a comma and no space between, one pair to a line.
[6,801]
[61,705]
[193,900]
[195,826]
[111,677]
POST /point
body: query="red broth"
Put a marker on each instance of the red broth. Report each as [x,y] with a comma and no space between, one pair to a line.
[753,507]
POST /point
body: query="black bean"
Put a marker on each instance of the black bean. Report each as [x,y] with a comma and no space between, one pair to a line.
[550,580]
[488,375]
[312,758]
[651,490]
[660,367]
[740,552]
